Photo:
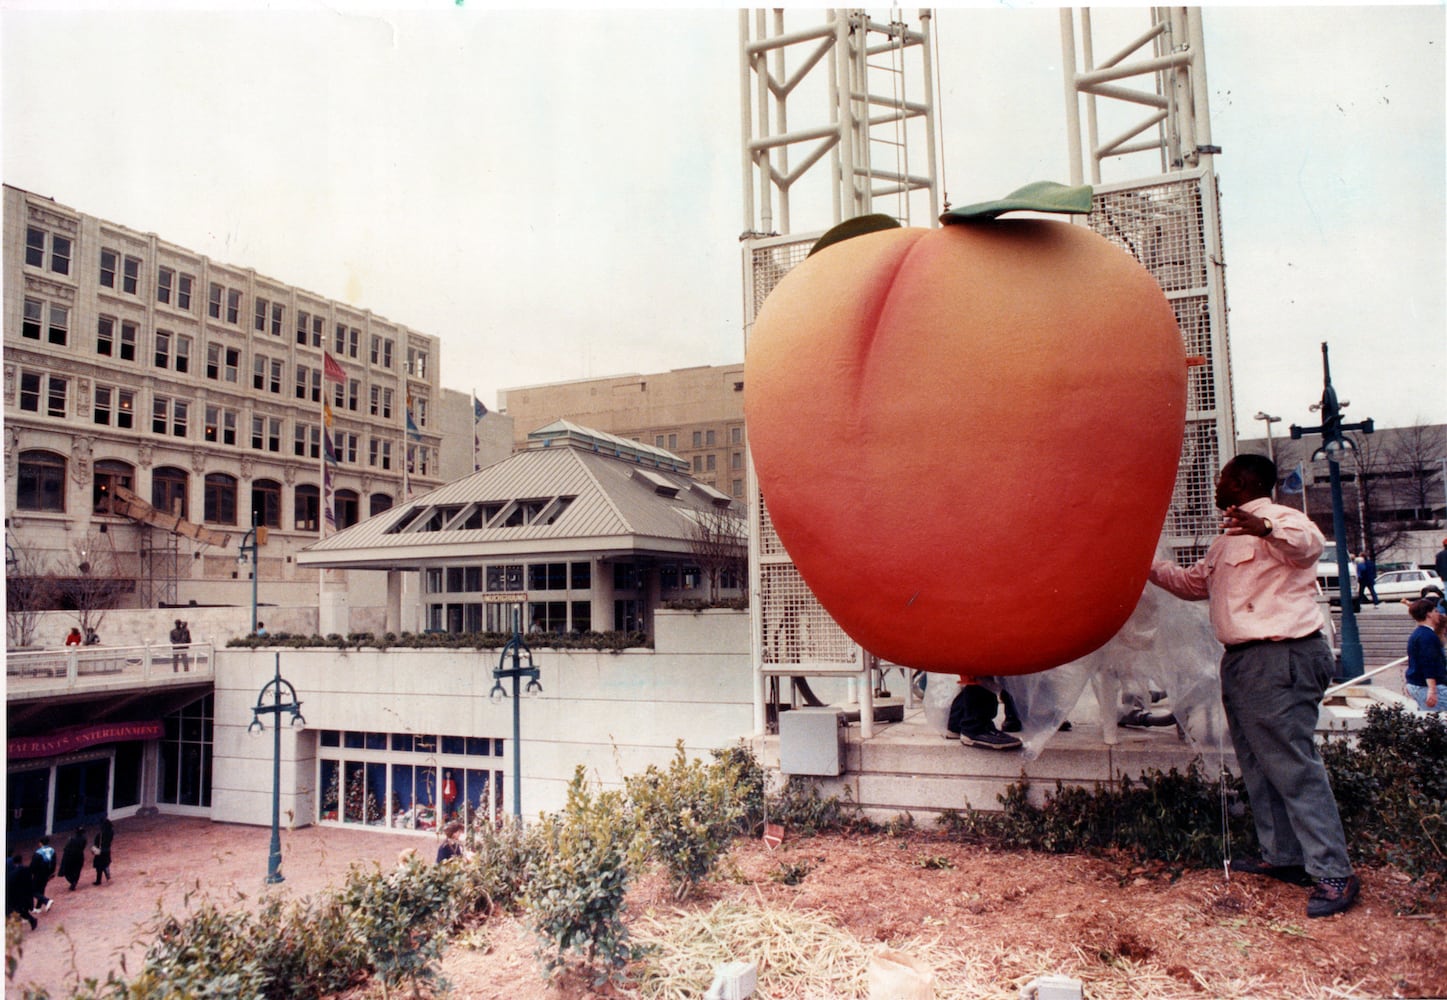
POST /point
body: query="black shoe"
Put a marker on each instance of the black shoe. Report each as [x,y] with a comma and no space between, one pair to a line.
[1065,726]
[991,739]
[1328,897]
[950,734]
[1138,719]
[1012,726]
[1294,874]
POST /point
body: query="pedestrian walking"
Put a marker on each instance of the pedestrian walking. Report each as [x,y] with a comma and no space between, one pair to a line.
[102,861]
[42,870]
[19,894]
[72,858]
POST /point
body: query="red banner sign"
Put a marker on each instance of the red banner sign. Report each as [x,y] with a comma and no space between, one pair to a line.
[75,738]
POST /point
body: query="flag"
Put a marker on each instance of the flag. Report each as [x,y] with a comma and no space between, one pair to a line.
[478,412]
[333,371]
[1293,482]
[412,431]
[329,501]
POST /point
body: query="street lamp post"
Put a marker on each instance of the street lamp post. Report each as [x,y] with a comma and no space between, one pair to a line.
[292,705]
[1333,444]
[1270,448]
[515,648]
[253,539]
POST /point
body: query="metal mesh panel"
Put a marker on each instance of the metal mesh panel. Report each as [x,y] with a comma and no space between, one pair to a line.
[771,263]
[1193,316]
[1160,226]
[1163,224]
[795,628]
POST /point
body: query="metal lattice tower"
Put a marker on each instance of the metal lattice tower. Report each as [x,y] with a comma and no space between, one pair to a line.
[838,121]
[1150,93]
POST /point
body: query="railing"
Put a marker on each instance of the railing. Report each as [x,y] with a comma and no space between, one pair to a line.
[50,671]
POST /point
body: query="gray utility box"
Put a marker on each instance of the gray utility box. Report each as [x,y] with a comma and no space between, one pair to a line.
[811,741]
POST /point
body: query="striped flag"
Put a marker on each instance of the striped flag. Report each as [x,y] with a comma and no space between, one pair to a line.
[331,370]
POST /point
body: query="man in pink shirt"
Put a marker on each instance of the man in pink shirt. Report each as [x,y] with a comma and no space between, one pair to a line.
[1260,579]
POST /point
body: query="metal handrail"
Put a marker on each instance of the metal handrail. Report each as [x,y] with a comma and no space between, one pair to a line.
[84,666]
[1335,688]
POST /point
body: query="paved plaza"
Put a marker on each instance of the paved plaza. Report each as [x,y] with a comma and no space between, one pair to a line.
[158,861]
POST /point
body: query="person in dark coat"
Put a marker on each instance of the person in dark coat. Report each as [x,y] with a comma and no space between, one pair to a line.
[72,858]
[102,860]
[42,870]
[19,896]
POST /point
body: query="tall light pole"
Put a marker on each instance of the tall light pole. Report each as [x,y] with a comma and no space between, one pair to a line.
[1333,445]
[1270,448]
[292,705]
[515,648]
[250,541]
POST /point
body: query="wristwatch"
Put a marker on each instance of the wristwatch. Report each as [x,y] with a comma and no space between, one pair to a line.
[1269,526]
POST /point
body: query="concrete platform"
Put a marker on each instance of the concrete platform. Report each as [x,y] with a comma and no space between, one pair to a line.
[909,767]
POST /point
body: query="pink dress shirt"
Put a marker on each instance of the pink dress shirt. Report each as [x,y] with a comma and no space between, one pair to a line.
[1259,588]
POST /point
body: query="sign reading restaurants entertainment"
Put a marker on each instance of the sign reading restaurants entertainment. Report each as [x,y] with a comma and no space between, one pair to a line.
[74,738]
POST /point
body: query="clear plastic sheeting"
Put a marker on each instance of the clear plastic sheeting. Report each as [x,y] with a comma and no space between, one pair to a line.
[1165,646]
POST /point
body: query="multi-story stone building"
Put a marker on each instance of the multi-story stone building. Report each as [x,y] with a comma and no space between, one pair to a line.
[133,364]
[696,413]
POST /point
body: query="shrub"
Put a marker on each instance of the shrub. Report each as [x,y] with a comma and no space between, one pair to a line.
[501,859]
[399,918]
[687,814]
[749,780]
[800,807]
[1391,790]
[576,883]
[1169,816]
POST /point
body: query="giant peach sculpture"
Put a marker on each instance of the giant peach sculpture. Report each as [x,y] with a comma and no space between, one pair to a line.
[967,437]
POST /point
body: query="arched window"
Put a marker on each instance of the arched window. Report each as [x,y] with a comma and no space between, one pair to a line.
[346,508]
[266,503]
[379,503]
[40,482]
[308,509]
[108,475]
[220,500]
[169,491]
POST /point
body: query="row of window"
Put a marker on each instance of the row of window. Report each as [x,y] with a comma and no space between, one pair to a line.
[701,439]
[116,406]
[383,782]
[118,339]
[509,577]
[122,273]
[41,486]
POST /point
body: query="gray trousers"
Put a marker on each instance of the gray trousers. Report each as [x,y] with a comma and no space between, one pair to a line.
[1272,695]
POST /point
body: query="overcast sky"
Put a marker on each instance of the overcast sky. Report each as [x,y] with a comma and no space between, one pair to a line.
[557,195]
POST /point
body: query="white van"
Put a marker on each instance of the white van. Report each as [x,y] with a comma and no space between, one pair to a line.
[1327,571]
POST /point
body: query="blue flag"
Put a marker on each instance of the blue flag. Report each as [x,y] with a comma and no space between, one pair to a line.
[412,431]
[1293,482]
[478,410]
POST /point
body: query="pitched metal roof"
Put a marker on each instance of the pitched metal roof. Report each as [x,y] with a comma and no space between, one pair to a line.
[573,491]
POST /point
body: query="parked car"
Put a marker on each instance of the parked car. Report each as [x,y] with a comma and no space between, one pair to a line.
[1326,571]
[1406,583]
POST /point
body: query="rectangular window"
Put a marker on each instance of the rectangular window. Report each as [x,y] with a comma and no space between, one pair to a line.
[339,346]
[131,276]
[736,435]
[273,434]
[213,301]
[658,440]
[354,392]
[34,247]
[258,433]
[261,307]
[308,443]
[34,319]
[183,355]
[258,372]
[736,461]
[278,375]
[709,439]
[376,349]
[303,320]
[387,353]
[233,306]
[354,340]
[30,391]
[212,430]
[183,292]
[213,361]
[421,413]
[105,335]
[318,327]
[58,332]
[109,259]
[59,253]
[125,408]
[180,411]
[165,282]
[673,442]
[130,334]
[710,462]
[103,405]
[163,349]
[278,317]
[303,381]
[160,414]
[376,397]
